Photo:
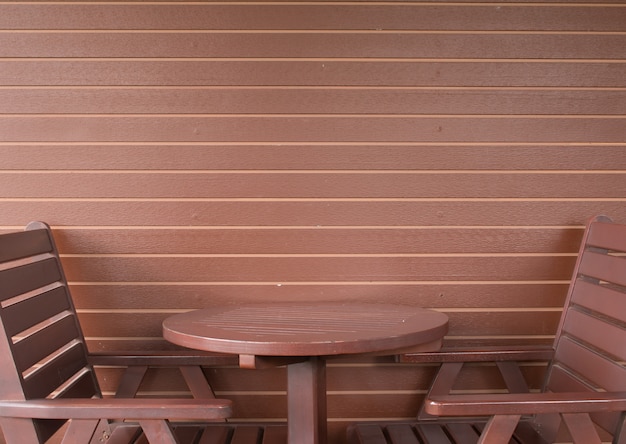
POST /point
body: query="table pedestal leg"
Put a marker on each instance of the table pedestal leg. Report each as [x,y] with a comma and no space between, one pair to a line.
[306,402]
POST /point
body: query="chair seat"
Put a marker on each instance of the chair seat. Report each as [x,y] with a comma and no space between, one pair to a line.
[195,433]
[466,431]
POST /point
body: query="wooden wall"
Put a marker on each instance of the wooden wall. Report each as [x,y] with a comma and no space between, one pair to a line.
[429,153]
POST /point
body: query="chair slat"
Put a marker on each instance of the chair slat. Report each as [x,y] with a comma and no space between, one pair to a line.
[246,435]
[14,246]
[600,370]
[187,434]
[44,342]
[434,433]
[608,236]
[82,387]
[463,433]
[215,435]
[602,299]
[595,332]
[20,280]
[402,434]
[275,434]
[30,312]
[604,267]
[51,376]
[46,428]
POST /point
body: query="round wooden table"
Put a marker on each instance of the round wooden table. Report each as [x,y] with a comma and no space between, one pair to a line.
[302,335]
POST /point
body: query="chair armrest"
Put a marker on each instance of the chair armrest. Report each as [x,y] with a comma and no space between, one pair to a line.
[525,403]
[162,359]
[64,408]
[189,362]
[486,354]
[453,359]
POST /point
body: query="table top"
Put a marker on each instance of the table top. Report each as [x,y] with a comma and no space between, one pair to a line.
[305,329]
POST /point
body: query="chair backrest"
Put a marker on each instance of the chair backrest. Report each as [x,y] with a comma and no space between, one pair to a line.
[590,345]
[42,349]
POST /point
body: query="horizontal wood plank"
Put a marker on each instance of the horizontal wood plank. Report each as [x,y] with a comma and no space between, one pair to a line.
[315,45]
[400,16]
[329,72]
[338,240]
[316,269]
[296,100]
[148,296]
[311,129]
[395,212]
[311,156]
[312,185]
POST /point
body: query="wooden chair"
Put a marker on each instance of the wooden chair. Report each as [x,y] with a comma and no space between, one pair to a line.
[47,379]
[584,395]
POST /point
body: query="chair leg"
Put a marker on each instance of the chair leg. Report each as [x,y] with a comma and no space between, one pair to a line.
[620,433]
[513,377]
[197,382]
[131,380]
[85,430]
[441,385]
[158,432]
[499,429]
[581,428]
[18,430]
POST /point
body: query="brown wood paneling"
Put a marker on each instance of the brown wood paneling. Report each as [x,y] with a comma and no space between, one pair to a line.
[313,185]
[430,73]
[317,269]
[309,212]
[318,100]
[167,297]
[316,45]
[438,154]
[312,128]
[407,16]
[337,240]
[311,156]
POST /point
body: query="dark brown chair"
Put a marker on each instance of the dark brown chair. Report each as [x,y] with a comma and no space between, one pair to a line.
[584,395]
[47,382]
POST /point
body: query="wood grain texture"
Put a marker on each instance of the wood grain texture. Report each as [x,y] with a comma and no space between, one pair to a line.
[309,213]
[329,16]
[312,128]
[316,269]
[330,72]
[318,185]
[312,100]
[311,156]
[305,241]
[461,296]
[433,154]
[315,45]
